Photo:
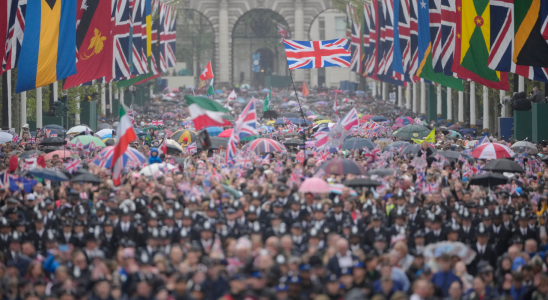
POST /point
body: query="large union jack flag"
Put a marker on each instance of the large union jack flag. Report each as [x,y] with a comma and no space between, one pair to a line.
[16,31]
[502,43]
[171,37]
[366,39]
[355,43]
[317,54]
[154,46]
[402,38]
[120,32]
[138,65]
[442,57]
[371,19]
[246,124]
[350,122]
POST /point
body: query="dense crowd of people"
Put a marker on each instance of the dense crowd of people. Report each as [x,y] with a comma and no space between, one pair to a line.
[206,231]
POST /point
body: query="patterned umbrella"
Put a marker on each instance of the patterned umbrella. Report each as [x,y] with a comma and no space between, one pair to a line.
[132,157]
[86,139]
[184,137]
[168,115]
[264,146]
[492,151]
[404,121]
[339,166]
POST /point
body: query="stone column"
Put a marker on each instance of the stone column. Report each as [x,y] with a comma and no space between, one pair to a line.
[384,89]
[521,84]
[486,109]
[8,74]
[503,110]
[408,96]
[77,116]
[103,100]
[224,49]
[110,97]
[449,105]
[298,75]
[423,98]
[400,100]
[438,104]
[23,108]
[461,107]
[415,102]
[374,91]
[39,107]
[472,104]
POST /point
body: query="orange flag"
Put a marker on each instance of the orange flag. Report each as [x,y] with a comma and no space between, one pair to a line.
[305,90]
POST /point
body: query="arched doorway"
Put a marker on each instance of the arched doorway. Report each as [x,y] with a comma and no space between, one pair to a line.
[195,41]
[257,47]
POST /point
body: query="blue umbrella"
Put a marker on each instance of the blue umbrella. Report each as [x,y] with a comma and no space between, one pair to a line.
[214,131]
[218,92]
[48,174]
[378,119]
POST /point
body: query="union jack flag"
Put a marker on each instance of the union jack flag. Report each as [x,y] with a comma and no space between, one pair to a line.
[191,148]
[351,121]
[317,54]
[442,57]
[154,58]
[158,122]
[121,21]
[4,180]
[371,18]
[161,31]
[73,165]
[246,124]
[402,38]
[484,140]
[386,45]
[15,138]
[131,114]
[366,39]
[32,140]
[502,43]
[321,138]
[414,36]
[355,43]
[138,66]
[171,37]
[16,30]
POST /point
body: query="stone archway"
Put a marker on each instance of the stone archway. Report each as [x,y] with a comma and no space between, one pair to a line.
[223,15]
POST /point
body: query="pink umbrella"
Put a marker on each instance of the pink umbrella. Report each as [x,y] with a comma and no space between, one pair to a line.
[175,90]
[226,133]
[396,126]
[314,185]
[492,151]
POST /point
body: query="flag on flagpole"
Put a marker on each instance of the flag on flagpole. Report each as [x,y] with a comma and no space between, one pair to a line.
[125,135]
[305,91]
[207,73]
[210,90]
[266,106]
[205,112]
[232,96]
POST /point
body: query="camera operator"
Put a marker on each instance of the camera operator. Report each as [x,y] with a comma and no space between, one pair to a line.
[537,96]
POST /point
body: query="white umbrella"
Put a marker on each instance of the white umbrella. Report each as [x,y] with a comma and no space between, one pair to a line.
[103,132]
[5,137]
[174,144]
[154,169]
[524,147]
[78,129]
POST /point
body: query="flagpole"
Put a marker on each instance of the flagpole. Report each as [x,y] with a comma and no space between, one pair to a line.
[297,95]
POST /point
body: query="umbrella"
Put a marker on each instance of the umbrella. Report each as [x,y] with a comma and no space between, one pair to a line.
[384,172]
[53,141]
[184,137]
[291,115]
[173,147]
[455,127]
[412,131]
[160,133]
[404,121]
[294,142]
[214,131]
[168,115]
[453,133]
[358,182]
[489,179]
[339,166]
[336,188]
[226,133]
[28,154]
[104,132]
[109,141]
[396,145]
[524,147]
[130,157]
[150,170]
[264,145]
[217,142]
[503,165]
[492,151]
[62,154]
[48,174]
[5,137]
[290,134]
[458,249]
[56,128]
[357,143]
[78,129]
[414,149]
[450,154]
[86,139]
[378,119]
[86,177]
[314,185]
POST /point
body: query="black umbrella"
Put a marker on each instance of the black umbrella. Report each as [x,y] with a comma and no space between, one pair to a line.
[503,165]
[90,178]
[217,142]
[53,141]
[357,143]
[340,166]
[384,172]
[50,149]
[358,182]
[450,154]
[414,149]
[396,145]
[290,134]
[48,174]
[172,149]
[489,179]
[293,142]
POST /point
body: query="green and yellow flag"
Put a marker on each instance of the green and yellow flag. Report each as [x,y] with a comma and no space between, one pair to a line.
[431,138]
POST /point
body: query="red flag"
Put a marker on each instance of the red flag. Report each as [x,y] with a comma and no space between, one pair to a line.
[300,157]
[305,90]
[208,72]
[93,43]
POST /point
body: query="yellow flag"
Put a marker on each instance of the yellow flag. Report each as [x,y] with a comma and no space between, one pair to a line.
[431,138]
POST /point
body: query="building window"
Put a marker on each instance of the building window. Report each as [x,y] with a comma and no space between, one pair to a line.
[340,27]
[322,28]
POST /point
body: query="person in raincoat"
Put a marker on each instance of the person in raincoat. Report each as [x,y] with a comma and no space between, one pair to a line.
[154,157]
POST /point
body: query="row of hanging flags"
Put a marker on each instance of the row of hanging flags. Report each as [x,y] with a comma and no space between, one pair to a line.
[447,41]
[128,41]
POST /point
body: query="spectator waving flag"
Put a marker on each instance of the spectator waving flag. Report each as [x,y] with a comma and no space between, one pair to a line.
[246,124]
[158,122]
[317,54]
[351,121]
[484,140]
[73,165]
[191,148]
